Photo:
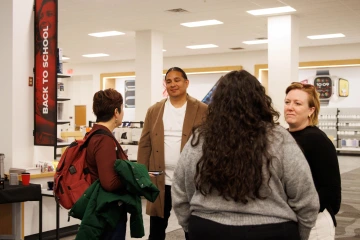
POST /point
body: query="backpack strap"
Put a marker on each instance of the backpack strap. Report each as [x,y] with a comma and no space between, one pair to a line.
[101,131]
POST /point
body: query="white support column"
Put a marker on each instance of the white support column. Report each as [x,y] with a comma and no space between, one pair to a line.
[283,58]
[16,97]
[148,71]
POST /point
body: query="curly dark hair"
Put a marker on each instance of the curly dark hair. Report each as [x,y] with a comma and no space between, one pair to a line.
[236,135]
[104,104]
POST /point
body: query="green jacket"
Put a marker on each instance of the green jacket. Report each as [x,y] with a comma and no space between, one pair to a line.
[99,209]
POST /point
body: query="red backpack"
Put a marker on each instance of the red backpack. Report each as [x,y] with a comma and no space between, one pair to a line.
[72,176]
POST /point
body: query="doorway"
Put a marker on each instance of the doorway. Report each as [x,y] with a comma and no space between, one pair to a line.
[80,116]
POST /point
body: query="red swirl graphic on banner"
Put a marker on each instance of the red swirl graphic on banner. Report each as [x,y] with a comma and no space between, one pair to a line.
[45,72]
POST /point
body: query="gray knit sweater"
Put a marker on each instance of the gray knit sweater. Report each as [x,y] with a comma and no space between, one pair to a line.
[293,196]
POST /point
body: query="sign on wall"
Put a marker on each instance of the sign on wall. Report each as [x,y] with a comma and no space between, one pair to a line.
[45,72]
[336,86]
[129,98]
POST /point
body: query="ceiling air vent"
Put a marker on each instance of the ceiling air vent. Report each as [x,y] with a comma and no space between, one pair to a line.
[177,10]
[236,48]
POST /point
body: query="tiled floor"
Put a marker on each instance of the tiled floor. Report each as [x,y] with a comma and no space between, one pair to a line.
[346,164]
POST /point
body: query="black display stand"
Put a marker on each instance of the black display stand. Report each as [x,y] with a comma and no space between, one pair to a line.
[21,193]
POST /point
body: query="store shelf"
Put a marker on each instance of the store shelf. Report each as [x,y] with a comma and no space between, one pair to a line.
[349,127]
[59,122]
[348,135]
[334,118]
[59,75]
[349,121]
[132,143]
[62,99]
[348,149]
[62,144]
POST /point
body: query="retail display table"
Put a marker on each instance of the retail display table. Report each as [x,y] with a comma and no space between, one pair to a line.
[16,194]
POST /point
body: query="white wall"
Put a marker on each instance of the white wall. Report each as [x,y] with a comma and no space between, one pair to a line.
[199,86]
[23,95]
[79,90]
[6,59]
[16,97]
[333,52]
[246,59]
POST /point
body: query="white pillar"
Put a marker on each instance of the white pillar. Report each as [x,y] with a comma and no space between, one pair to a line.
[283,58]
[16,97]
[148,71]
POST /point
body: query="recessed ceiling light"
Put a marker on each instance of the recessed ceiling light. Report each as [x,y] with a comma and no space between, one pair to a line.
[202,46]
[164,50]
[201,23]
[268,11]
[261,41]
[65,58]
[95,55]
[335,35]
[106,34]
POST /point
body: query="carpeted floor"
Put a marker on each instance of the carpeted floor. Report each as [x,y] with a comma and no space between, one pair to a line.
[348,218]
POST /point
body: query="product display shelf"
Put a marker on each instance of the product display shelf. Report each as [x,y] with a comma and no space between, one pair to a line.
[60,106]
[62,99]
[348,130]
[128,135]
[62,122]
[62,144]
[348,149]
[328,123]
[60,75]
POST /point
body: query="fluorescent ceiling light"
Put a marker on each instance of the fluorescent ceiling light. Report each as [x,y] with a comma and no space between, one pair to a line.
[268,11]
[262,41]
[65,58]
[201,23]
[335,35]
[202,46]
[106,34]
[95,55]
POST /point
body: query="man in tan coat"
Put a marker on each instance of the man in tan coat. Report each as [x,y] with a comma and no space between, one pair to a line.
[168,125]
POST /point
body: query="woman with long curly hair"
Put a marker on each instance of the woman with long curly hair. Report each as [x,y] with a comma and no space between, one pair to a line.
[241,175]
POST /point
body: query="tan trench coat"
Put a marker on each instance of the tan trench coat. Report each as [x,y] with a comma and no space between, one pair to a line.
[151,144]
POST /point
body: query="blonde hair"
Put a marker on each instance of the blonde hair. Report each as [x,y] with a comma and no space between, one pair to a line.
[313,99]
